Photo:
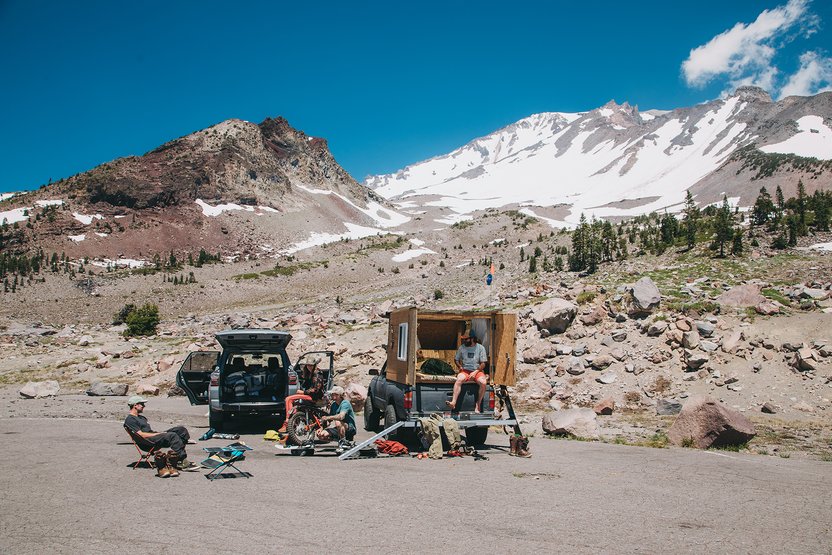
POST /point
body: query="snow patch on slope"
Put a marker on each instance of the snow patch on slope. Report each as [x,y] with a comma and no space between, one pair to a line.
[813,140]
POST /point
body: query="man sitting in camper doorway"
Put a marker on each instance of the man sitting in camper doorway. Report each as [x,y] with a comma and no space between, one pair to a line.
[470,361]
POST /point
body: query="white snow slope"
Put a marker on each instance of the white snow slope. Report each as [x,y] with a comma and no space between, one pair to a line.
[588,160]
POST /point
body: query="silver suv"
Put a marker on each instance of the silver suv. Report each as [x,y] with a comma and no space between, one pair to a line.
[251,376]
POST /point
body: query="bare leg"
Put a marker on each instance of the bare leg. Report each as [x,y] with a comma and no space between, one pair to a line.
[480,395]
[457,390]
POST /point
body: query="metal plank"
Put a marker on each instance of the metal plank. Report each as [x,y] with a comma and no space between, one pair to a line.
[347,454]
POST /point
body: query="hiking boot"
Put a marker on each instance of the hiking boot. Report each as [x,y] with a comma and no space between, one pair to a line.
[512,441]
[161,461]
[521,447]
[187,466]
[173,473]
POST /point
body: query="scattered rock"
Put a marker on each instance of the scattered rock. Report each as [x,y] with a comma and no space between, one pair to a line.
[575,366]
[618,335]
[694,360]
[731,343]
[768,408]
[668,407]
[605,407]
[580,423]
[38,390]
[607,378]
[803,406]
[705,329]
[596,316]
[645,297]
[84,341]
[100,389]
[145,388]
[690,339]
[741,296]
[805,360]
[602,361]
[656,328]
[356,393]
[705,423]
[554,315]
[767,308]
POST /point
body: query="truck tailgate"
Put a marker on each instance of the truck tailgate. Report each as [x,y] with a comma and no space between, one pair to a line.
[433,397]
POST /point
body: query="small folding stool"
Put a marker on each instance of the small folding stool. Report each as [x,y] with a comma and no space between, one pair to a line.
[220,458]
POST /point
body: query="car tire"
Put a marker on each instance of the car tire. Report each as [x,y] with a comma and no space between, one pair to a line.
[371,416]
[475,436]
[215,420]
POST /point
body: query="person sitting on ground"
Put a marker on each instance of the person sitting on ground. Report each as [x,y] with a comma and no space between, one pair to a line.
[470,361]
[176,438]
[342,417]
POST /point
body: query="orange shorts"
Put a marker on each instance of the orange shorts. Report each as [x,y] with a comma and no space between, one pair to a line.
[475,376]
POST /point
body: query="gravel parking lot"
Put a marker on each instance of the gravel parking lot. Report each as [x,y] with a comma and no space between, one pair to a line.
[68,488]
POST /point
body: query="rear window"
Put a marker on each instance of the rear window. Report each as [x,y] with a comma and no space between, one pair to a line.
[254,362]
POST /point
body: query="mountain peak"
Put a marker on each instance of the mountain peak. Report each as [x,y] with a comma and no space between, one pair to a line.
[752,94]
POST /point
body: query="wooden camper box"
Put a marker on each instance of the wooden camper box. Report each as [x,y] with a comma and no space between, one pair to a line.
[415,335]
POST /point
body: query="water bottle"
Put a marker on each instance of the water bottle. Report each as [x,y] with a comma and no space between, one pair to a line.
[208,434]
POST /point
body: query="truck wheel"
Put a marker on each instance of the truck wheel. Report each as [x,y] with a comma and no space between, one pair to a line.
[476,435]
[371,416]
[390,419]
[215,420]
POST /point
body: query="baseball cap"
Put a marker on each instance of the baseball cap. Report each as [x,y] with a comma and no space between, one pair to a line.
[470,334]
[336,390]
[135,399]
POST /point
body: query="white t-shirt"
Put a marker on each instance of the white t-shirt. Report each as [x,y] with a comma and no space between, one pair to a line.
[471,357]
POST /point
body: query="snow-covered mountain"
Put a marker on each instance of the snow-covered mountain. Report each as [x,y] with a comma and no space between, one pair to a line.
[616,161]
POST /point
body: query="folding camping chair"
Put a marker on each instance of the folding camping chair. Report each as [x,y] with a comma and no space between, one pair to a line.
[220,458]
[145,453]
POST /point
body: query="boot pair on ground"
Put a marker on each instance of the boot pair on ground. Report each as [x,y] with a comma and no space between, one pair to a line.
[519,446]
[169,464]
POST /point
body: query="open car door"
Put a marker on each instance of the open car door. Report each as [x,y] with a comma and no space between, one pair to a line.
[323,363]
[504,348]
[401,346]
[194,375]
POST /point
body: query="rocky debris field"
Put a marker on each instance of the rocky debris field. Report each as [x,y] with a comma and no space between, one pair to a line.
[625,349]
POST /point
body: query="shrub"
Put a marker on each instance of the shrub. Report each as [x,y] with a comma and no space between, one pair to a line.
[142,321]
[438,294]
[122,314]
[585,297]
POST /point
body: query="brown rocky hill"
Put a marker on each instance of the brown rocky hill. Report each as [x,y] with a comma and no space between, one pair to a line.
[281,182]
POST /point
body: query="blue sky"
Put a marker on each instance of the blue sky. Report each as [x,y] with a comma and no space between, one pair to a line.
[387,83]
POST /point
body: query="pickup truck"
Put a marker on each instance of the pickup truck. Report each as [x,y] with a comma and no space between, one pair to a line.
[412,384]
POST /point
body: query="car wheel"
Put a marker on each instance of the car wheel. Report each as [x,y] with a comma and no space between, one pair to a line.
[476,435]
[215,420]
[371,415]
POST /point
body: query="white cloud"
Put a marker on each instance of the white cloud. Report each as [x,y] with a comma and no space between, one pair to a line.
[813,77]
[744,52]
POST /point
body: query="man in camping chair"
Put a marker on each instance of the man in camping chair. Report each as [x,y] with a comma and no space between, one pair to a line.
[470,361]
[175,438]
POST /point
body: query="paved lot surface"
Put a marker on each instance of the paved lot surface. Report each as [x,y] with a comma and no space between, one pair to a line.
[67,487]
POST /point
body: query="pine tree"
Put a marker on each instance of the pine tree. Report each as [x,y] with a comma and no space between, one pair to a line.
[820,206]
[801,207]
[723,227]
[763,208]
[691,220]
[532,264]
[736,244]
[577,261]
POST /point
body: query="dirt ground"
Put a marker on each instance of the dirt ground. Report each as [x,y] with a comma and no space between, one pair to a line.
[68,487]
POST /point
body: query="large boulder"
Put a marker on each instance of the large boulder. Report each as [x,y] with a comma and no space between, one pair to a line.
[554,315]
[668,407]
[741,296]
[103,389]
[356,393]
[36,390]
[645,297]
[580,423]
[704,422]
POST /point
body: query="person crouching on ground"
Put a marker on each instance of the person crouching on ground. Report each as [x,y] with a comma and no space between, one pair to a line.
[176,438]
[470,362]
[342,417]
